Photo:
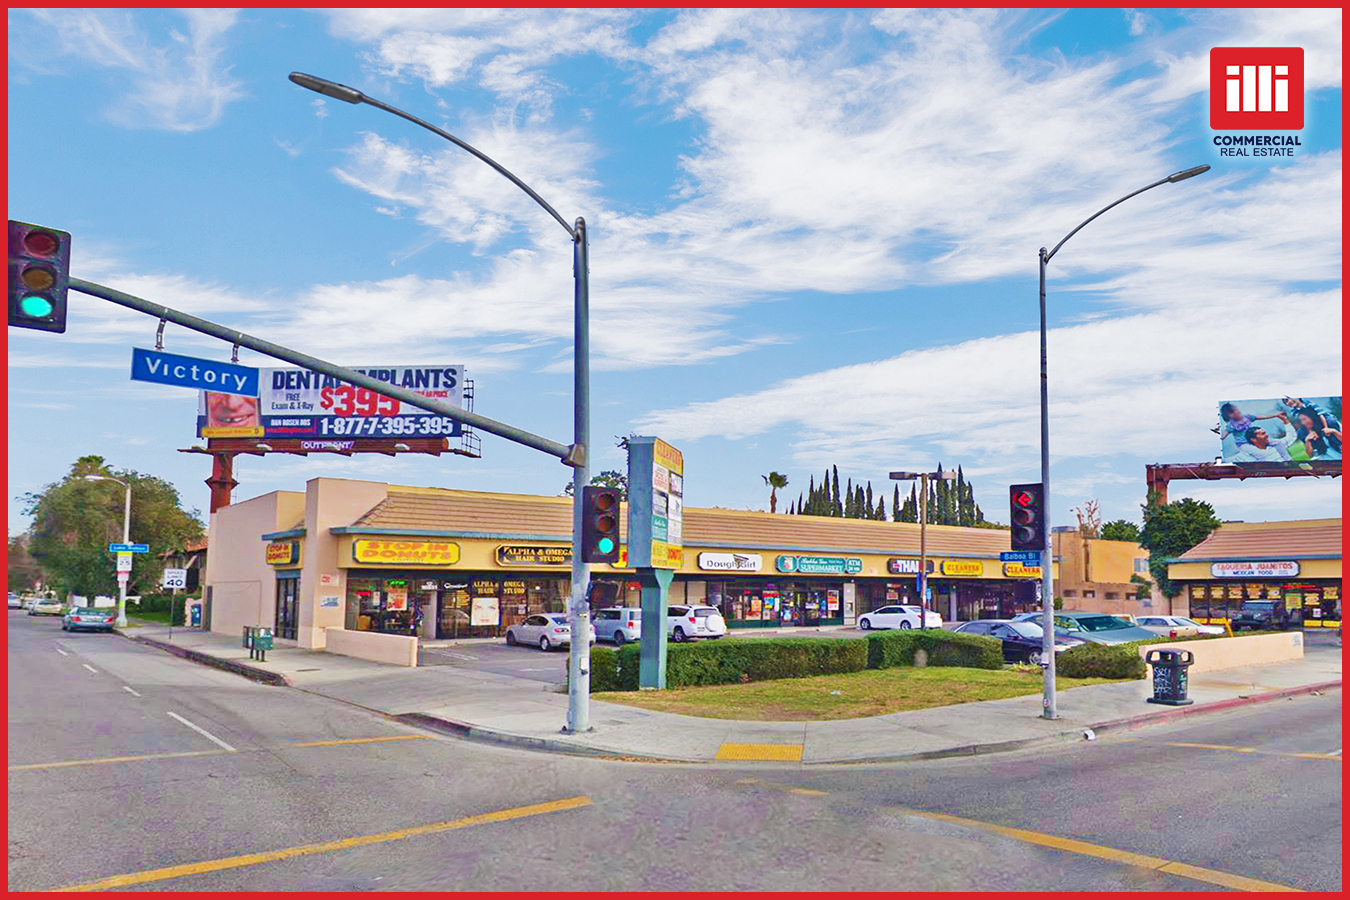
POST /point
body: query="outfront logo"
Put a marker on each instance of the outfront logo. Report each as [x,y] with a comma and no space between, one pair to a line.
[1256,88]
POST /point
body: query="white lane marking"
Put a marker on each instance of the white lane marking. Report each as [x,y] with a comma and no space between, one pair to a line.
[90,668]
[130,691]
[62,652]
[204,733]
[1335,752]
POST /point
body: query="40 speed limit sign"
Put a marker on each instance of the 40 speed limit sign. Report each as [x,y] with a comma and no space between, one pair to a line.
[175,578]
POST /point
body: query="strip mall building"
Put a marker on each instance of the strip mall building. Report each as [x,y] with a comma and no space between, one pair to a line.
[368,556]
[1297,562]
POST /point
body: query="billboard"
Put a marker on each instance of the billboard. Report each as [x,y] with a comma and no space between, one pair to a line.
[1284,430]
[298,403]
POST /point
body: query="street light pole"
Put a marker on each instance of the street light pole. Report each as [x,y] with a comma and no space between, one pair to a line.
[579,679]
[126,539]
[922,478]
[1049,709]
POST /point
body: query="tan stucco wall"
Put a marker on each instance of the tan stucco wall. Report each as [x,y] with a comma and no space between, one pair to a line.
[398,649]
[243,586]
[1229,653]
[329,503]
[1113,561]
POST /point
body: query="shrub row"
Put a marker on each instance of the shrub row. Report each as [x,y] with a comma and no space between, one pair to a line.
[731,660]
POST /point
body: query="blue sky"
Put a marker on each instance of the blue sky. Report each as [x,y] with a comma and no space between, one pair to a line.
[813,236]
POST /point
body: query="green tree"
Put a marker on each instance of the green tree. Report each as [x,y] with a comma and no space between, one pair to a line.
[610,478]
[1170,529]
[74,520]
[837,504]
[895,505]
[1121,530]
[774,480]
[24,571]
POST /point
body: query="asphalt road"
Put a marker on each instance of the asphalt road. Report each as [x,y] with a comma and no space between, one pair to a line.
[1242,805]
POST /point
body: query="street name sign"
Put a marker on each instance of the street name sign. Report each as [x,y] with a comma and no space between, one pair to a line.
[191,372]
[128,548]
[1022,556]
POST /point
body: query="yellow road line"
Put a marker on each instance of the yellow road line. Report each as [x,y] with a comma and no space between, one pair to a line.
[254,859]
[1124,857]
[1333,757]
[146,756]
[368,740]
[114,759]
[760,752]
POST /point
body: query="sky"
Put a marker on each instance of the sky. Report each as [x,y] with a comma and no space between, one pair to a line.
[813,237]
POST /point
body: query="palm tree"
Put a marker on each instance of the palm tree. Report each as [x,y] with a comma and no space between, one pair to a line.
[775,481]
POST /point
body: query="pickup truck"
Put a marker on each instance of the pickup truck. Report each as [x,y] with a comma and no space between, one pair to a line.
[1264,614]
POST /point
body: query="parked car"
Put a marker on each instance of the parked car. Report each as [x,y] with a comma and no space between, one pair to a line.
[1264,614]
[897,617]
[46,606]
[1176,626]
[29,601]
[543,630]
[1022,641]
[1099,628]
[84,618]
[15,601]
[619,624]
[686,622]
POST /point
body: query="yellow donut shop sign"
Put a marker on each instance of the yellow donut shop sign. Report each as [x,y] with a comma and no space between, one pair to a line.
[410,553]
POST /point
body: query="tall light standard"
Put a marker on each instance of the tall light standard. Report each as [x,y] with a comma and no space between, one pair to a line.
[1048,707]
[923,532]
[579,682]
[126,539]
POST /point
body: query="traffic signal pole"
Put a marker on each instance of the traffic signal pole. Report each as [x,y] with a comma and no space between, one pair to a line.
[578,607]
[1048,706]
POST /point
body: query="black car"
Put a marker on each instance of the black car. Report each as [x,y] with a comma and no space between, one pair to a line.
[1022,641]
[1264,614]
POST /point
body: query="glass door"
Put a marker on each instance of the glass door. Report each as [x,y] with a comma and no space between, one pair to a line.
[288,594]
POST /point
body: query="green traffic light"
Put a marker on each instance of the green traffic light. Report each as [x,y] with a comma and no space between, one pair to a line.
[36,306]
[605,545]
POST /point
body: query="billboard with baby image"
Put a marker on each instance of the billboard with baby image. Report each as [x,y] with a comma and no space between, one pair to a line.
[1288,430]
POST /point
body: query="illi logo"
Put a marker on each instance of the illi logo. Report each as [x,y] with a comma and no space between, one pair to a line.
[1256,88]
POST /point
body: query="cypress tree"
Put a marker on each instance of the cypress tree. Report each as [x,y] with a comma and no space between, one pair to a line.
[881,509]
[838,504]
[860,509]
[850,508]
[869,509]
[895,505]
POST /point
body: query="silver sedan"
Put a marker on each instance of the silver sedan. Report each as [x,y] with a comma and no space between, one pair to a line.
[543,630]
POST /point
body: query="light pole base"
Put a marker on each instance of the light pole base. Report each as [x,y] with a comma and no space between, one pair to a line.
[567,729]
[1049,715]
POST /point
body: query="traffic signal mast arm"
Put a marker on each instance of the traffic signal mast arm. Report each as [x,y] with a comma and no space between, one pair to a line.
[569,455]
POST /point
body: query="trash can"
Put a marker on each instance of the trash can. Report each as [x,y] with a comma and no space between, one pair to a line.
[261,643]
[248,637]
[1169,676]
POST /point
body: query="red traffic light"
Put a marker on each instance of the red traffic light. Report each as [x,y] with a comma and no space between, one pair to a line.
[41,243]
[1023,498]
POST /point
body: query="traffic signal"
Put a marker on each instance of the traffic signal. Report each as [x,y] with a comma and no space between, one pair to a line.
[1027,502]
[599,524]
[39,272]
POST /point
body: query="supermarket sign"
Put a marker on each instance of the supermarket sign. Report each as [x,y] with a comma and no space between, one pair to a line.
[1254,569]
[819,565]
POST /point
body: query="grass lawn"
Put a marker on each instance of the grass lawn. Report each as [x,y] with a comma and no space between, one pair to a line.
[160,616]
[873,692]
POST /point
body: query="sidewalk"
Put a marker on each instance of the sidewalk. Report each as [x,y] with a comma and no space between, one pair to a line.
[507,710]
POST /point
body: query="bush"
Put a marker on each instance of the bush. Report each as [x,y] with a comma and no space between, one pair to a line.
[1102,661]
[730,661]
[944,648]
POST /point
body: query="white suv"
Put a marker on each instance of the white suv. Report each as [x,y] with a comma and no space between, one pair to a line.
[687,622]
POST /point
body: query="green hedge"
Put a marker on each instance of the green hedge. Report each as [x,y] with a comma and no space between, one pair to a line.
[730,661]
[944,648]
[1101,661]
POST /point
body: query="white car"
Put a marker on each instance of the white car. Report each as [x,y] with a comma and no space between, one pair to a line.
[543,630]
[47,606]
[15,601]
[619,624]
[1176,626]
[897,617]
[684,623]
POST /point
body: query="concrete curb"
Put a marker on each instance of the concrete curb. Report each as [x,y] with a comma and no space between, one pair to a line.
[251,672]
[1217,706]
[505,738]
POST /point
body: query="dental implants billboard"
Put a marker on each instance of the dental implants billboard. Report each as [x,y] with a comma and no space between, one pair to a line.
[1286,430]
[297,403]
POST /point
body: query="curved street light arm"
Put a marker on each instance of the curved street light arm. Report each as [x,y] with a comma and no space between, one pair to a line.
[352,95]
[1098,213]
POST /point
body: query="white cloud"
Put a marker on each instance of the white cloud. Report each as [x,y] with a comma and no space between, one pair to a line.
[179,85]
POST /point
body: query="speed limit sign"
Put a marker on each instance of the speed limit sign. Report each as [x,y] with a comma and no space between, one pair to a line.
[175,578]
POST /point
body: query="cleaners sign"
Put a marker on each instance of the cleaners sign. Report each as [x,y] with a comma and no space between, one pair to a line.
[190,372]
